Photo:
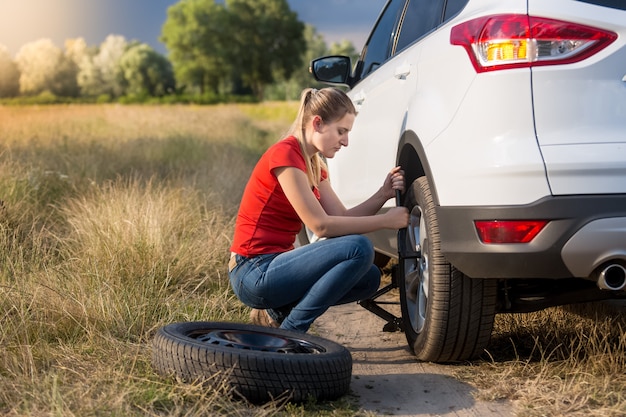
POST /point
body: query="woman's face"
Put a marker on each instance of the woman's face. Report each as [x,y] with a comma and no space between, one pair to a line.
[328,138]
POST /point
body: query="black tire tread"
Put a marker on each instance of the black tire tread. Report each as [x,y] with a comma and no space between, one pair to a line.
[461,310]
[255,375]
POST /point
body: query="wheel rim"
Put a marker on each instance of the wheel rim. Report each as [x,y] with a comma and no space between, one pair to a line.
[416,271]
[256,340]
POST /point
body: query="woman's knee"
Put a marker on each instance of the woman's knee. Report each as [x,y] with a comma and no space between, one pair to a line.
[363,247]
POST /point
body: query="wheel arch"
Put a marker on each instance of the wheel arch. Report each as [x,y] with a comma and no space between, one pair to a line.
[412,158]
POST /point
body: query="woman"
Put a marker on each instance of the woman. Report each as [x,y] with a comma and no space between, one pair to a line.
[287,287]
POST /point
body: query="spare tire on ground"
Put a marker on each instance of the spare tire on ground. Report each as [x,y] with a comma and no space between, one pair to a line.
[260,364]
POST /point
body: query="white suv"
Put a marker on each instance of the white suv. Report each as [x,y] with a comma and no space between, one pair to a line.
[509,119]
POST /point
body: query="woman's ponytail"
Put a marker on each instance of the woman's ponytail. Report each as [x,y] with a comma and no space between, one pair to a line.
[330,104]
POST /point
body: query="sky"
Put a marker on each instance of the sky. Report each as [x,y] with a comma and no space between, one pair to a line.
[24,21]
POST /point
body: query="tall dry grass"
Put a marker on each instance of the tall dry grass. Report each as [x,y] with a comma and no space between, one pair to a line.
[116,220]
[562,361]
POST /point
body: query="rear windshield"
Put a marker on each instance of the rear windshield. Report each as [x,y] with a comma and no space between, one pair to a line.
[613,4]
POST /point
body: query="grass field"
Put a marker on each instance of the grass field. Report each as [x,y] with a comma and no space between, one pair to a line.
[116,220]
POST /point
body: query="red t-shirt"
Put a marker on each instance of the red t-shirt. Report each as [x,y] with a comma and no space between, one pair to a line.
[266,222]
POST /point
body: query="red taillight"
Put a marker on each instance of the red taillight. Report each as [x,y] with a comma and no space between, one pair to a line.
[508,231]
[518,41]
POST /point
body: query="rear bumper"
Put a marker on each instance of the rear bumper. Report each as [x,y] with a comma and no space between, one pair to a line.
[583,233]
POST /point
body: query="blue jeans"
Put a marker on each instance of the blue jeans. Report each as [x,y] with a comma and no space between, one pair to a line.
[298,286]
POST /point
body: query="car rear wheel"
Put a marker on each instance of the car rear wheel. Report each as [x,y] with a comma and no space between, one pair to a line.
[447,316]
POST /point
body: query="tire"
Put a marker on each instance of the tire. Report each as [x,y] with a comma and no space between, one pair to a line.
[260,364]
[447,316]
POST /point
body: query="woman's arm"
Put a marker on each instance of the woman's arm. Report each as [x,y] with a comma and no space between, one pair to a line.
[296,187]
[332,205]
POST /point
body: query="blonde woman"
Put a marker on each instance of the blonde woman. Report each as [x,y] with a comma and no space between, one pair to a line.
[287,287]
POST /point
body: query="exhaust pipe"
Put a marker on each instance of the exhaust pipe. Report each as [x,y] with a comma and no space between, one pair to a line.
[612,277]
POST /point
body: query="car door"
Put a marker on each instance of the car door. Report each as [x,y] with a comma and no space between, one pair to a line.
[387,74]
[359,170]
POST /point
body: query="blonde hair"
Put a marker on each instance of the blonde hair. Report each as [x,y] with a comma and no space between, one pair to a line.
[330,104]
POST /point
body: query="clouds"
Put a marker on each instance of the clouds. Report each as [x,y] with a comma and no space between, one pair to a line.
[24,21]
[340,19]
[325,14]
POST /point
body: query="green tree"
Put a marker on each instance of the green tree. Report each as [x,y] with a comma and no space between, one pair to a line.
[197,38]
[290,88]
[345,48]
[9,74]
[99,67]
[44,67]
[213,45]
[146,72]
[89,76]
[268,41]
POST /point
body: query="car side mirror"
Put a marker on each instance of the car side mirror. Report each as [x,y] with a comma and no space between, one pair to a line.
[331,69]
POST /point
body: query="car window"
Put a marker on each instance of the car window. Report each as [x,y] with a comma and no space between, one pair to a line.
[421,17]
[453,7]
[380,43]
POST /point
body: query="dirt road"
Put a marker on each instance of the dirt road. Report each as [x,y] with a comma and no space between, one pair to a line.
[386,378]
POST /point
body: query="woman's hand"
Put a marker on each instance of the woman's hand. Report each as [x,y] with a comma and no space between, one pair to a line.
[393,182]
[398,217]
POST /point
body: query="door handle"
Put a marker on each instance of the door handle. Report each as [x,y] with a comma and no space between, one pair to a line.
[359,99]
[402,71]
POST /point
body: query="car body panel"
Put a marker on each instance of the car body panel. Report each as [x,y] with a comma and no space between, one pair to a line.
[539,142]
[373,138]
[580,108]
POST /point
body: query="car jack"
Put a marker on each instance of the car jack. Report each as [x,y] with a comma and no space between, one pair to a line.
[394,324]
